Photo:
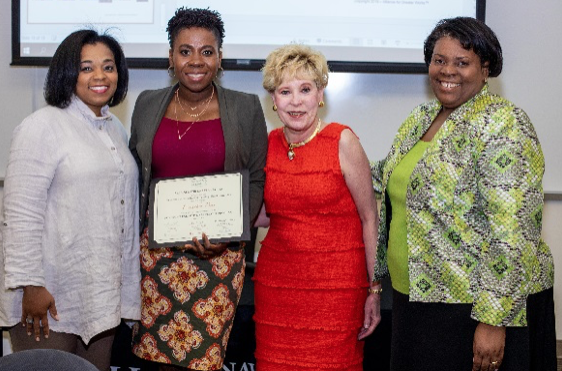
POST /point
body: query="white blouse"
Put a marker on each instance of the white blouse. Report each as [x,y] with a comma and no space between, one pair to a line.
[71,220]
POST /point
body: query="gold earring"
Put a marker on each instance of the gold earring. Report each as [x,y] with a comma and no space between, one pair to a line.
[274,107]
[171,72]
[321,104]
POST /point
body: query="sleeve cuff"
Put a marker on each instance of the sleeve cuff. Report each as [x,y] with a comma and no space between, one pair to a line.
[500,311]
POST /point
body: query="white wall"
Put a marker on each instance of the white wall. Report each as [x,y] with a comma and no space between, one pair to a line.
[373,104]
[552,234]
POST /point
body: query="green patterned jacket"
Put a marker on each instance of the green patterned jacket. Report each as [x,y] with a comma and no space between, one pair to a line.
[473,208]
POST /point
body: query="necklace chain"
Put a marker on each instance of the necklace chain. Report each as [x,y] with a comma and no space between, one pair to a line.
[290,152]
[196,115]
[180,136]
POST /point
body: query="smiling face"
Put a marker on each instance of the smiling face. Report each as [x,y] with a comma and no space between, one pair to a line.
[97,79]
[297,105]
[196,58]
[456,74]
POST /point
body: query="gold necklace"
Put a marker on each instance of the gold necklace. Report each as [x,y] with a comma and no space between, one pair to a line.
[291,153]
[196,114]
[178,123]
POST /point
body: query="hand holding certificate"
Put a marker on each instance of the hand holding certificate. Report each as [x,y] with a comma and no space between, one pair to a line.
[184,208]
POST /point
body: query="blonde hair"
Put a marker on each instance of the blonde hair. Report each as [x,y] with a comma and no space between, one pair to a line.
[295,61]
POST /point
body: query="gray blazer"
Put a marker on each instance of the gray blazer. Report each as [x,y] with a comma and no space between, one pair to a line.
[243,127]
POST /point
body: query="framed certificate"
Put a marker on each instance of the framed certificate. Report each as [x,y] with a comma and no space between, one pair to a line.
[214,204]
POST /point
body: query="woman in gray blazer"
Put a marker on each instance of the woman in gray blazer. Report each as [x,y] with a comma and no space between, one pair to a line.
[190,293]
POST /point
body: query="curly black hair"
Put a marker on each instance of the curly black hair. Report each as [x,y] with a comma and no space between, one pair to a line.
[195,17]
[62,76]
[474,35]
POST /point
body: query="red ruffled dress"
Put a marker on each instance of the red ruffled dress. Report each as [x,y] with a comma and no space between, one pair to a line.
[311,276]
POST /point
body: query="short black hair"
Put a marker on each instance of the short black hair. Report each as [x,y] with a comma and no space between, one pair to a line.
[62,76]
[474,35]
[195,17]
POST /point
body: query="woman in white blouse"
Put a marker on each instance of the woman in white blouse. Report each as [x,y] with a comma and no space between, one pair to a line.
[70,231]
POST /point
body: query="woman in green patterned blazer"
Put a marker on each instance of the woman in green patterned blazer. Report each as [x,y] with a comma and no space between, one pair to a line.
[460,226]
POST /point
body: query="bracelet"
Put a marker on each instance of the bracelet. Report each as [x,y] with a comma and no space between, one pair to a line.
[375,291]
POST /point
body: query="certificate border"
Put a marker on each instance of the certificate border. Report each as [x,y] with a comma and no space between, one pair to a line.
[152,244]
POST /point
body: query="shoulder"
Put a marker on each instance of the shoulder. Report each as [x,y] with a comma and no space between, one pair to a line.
[152,95]
[243,108]
[241,103]
[337,130]
[235,95]
[423,113]
[336,127]
[276,138]
[46,112]
[148,104]
[429,107]
[341,135]
[348,140]
[491,103]
[494,114]
[42,119]
[275,133]
[42,126]
[149,100]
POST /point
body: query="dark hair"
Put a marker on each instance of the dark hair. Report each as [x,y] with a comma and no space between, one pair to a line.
[195,17]
[62,76]
[474,35]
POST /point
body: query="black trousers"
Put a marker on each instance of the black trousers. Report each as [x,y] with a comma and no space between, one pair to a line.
[438,336]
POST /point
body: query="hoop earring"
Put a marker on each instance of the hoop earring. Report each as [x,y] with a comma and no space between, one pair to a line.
[220,72]
[274,107]
[321,104]
[171,72]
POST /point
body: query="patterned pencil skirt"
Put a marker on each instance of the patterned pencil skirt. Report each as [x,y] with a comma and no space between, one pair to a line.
[188,306]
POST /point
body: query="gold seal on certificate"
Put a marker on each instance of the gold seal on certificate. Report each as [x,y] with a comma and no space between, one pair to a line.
[214,204]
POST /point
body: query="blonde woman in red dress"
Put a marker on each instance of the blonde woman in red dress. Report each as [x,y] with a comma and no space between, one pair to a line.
[313,293]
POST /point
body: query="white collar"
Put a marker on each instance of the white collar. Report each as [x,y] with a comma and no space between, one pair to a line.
[80,108]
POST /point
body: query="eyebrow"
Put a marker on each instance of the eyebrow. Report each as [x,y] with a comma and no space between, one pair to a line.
[104,61]
[193,47]
[303,85]
[444,56]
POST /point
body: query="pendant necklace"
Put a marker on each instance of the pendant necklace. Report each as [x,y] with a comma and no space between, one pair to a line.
[291,153]
[206,104]
[180,136]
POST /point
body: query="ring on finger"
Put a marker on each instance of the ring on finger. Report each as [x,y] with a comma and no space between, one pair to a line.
[29,320]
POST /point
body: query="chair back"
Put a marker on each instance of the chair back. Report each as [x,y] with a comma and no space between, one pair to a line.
[44,360]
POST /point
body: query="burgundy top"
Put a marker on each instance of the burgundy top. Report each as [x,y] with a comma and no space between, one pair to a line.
[200,150]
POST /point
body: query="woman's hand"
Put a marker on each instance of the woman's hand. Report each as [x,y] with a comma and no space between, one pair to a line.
[207,250]
[372,315]
[36,302]
[488,347]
